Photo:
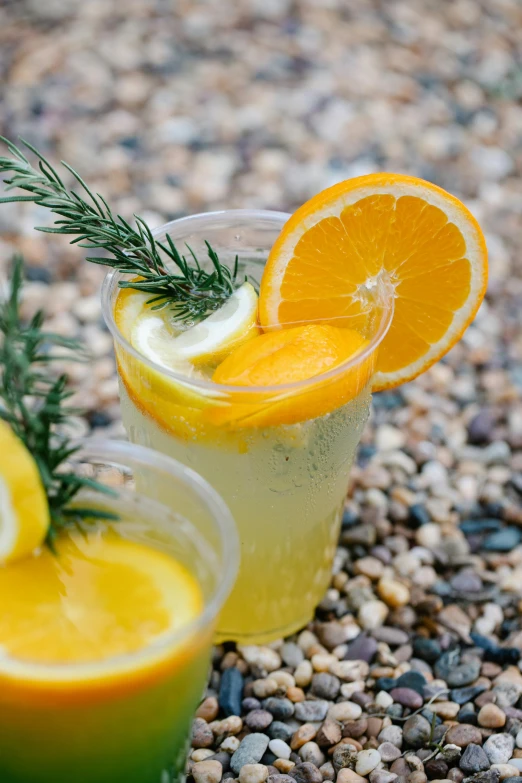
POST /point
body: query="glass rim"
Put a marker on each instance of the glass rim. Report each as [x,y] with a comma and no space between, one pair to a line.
[116,452]
[112,278]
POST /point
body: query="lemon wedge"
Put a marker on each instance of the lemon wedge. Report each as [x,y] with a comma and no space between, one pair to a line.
[24,511]
[208,342]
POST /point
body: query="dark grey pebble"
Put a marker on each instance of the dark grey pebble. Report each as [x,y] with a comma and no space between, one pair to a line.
[489,776]
[223,757]
[306,773]
[309,711]
[467,714]
[363,648]
[416,731]
[395,711]
[412,679]
[419,515]
[456,674]
[466,582]
[426,649]
[280,708]
[463,695]
[251,751]
[231,691]
[504,540]
[268,758]
[516,482]
[385,683]
[365,535]
[280,730]
[280,779]
[259,720]
[395,637]
[250,703]
[474,759]
[325,686]
[480,427]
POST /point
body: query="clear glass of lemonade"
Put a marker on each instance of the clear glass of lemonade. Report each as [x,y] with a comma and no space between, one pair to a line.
[279,459]
[105,641]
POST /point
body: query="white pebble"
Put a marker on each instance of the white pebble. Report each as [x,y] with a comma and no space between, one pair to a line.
[305,640]
[207,772]
[264,657]
[428,535]
[264,688]
[283,679]
[253,773]
[230,744]
[384,699]
[321,662]
[372,614]
[303,674]
[279,748]
[345,710]
[516,763]
[367,760]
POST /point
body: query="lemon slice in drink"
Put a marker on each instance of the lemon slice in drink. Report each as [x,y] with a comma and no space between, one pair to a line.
[24,511]
[208,342]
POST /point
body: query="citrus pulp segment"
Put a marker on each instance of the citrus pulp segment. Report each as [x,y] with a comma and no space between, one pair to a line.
[94,598]
[24,510]
[388,227]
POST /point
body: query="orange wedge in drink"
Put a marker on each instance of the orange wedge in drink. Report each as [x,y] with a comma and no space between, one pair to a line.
[387,228]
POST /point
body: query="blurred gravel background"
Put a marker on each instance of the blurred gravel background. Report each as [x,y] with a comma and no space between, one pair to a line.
[169,108]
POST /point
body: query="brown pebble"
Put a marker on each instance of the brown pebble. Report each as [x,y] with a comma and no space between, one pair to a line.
[456,775]
[407,697]
[202,736]
[436,769]
[208,709]
[489,669]
[485,698]
[295,694]
[356,728]
[491,717]
[371,743]
[229,660]
[305,733]
[400,768]
[329,734]
[463,735]
[417,777]
[374,727]
[517,753]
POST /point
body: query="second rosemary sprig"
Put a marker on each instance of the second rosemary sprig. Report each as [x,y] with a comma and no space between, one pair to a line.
[191,290]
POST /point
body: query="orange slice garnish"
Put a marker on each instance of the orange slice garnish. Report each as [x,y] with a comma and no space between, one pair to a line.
[380,227]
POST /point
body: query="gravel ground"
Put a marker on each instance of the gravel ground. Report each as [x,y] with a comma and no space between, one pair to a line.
[411,670]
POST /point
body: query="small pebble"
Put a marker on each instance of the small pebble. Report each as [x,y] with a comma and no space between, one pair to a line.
[474,759]
[207,772]
[311,710]
[253,773]
[491,717]
[279,748]
[306,773]
[367,760]
[499,748]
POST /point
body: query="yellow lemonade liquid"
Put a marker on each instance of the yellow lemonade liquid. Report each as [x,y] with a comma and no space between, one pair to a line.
[95,686]
[285,486]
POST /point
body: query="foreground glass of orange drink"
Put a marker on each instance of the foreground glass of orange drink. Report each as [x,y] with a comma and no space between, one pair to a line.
[279,455]
[106,641]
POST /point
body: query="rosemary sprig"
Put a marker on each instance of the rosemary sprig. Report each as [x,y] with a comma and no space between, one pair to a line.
[33,400]
[193,291]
